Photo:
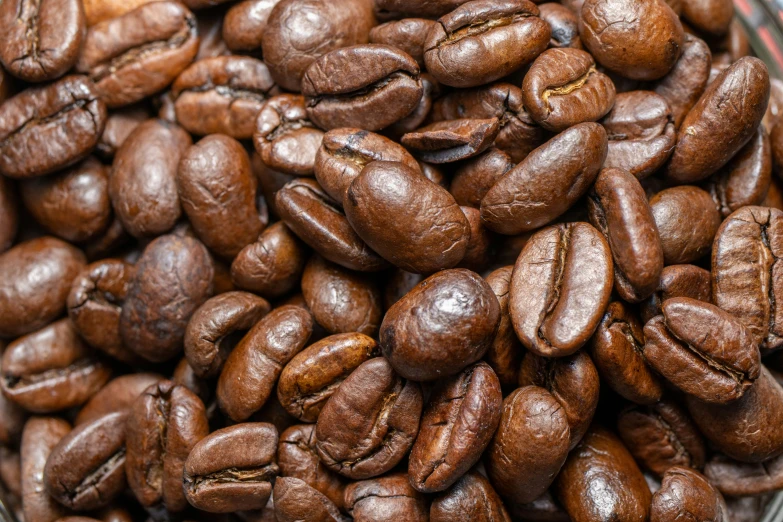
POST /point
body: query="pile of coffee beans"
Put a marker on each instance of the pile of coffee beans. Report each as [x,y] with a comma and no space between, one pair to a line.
[388,261]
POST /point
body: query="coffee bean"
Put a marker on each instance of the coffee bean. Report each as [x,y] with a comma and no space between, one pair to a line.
[678,281]
[116,396]
[686,493]
[408,35]
[295,500]
[505,353]
[564,24]
[40,436]
[245,23]
[452,140]
[471,498]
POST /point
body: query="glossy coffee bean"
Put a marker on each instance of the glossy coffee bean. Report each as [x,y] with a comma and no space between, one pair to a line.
[86,470]
[452,140]
[164,425]
[142,185]
[127,64]
[119,125]
[709,16]
[35,278]
[505,353]
[312,377]
[560,287]
[296,500]
[471,498]
[686,493]
[62,120]
[173,271]
[245,23]
[678,281]
[736,478]
[475,177]
[40,436]
[385,498]
[547,182]
[116,396]
[370,422]
[408,35]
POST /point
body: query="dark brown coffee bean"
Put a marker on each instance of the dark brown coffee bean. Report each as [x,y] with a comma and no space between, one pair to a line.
[475,177]
[687,220]
[345,152]
[222,95]
[370,422]
[471,498]
[164,425]
[143,185]
[530,445]
[12,420]
[720,123]
[418,116]
[563,88]
[245,23]
[687,494]
[295,500]
[452,140]
[744,268]
[51,369]
[482,41]
[95,303]
[86,470]
[61,121]
[480,244]
[185,376]
[117,396]
[434,232]
[638,39]
[316,219]
[408,35]
[736,478]
[444,324]
[623,495]
[119,125]
[129,64]
[709,16]
[297,458]
[218,193]
[284,136]
[458,424]
[313,375]
[564,24]
[505,353]
[9,214]
[560,288]
[397,8]
[35,278]
[42,38]
[300,31]
[341,300]
[548,181]
[367,86]
[40,436]
[399,283]
[173,278]
[386,498]
[232,469]
[616,350]
[678,281]
[661,436]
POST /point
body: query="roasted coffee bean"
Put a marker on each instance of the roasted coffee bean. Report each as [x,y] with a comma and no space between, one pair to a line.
[408,35]
[341,300]
[544,508]
[345,152]
[245,23]
[480,244]
[687,80]
[548,181]
[418,116]
[731,477]
[744,268]
[702,350]
[452,140]
[222,95]
[35,278]
[623,495]
[300,31]
[720,123]
[9,214]
[99,10]
[185,376]
[639,40]
[709,16]
[295,500]
[616,350]
[386,498]
[560,288]
[564,24]
[143,185]
[127,63]
[173,278]
[368,86]
[313,375]
[458,424]
[95,303]
[471,498]
[475,177]
[618,209]
[117,396]
[119,125]
[273,265]
[297,458]
[232,469]
[444,324]
[505,353]
[678,281]
[253,367]
[434,232]
[42,38]
[164,425]
[40,436]
[12,420]
[370,422]
[482,41]
[214,325]
[218,193]
[284,136]
[687,494]
[661,436]
[309,212]
[397,285]
[86,470]
[530,445]
[746,429]
[563,88]
[62,122]
[687,220]
[745,180]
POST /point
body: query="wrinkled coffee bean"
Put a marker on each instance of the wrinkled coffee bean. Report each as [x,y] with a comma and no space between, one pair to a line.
[678,281]
[452,140]
[117,396]
[471,498]
[732,477]
[686,494]
[385,498]
[40,436]
[295,500]
[505,353]
[408,35]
